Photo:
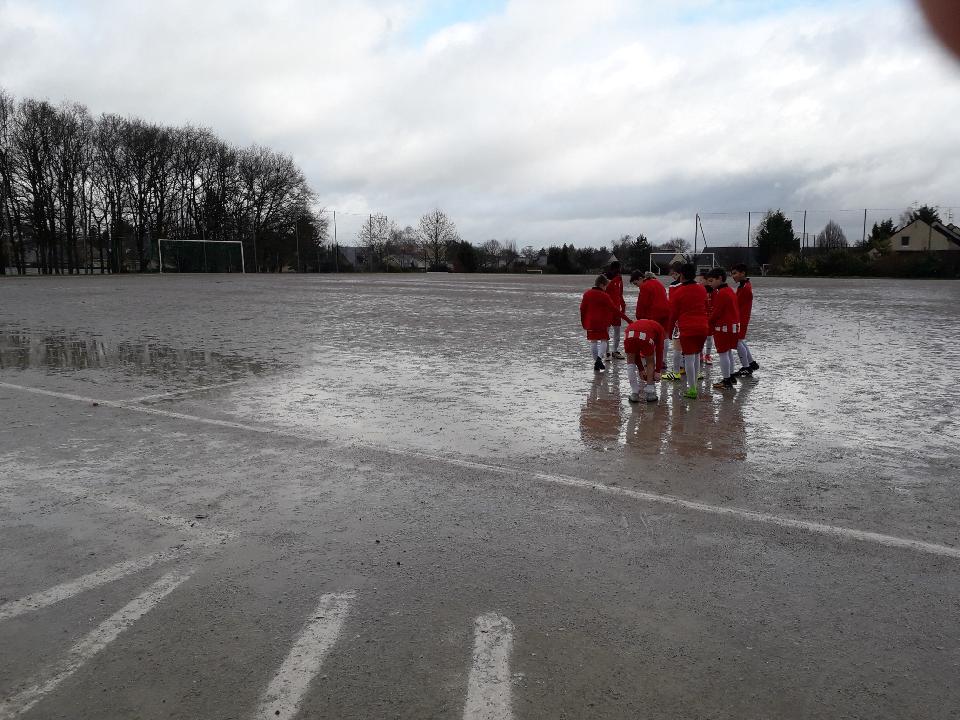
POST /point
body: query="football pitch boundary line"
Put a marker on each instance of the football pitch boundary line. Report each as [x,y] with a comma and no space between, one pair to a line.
[753,516]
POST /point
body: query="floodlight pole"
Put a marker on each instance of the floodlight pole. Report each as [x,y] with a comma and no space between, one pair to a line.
[160,252]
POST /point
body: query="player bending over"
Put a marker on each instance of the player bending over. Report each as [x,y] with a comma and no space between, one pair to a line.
[597,311]
[745,306]
[688,311]
[725,324]
[643,341]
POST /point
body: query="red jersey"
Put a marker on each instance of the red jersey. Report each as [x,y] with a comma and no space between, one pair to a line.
[597,311]
[688,309]
[725,319]
[615,291]
[652,303]
[744,304]
[645,337]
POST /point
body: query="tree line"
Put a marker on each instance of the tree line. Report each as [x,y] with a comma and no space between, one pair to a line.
[80,194]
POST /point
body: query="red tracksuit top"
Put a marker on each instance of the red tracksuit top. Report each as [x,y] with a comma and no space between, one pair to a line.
[649,333]
[615,291]
[652,303]
[725,317]
[744,303]
[688,309]
[597,311]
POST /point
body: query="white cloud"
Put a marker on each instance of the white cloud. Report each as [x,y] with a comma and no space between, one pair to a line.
[561,121]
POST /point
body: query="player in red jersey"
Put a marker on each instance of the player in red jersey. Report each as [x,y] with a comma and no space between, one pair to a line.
[745,306]
[725,324]
[688,311]
[706,356]
[596,315]
[643,341]
[615,291]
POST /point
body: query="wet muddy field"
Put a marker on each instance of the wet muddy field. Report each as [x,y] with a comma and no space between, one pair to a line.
[856,385]
[426,459]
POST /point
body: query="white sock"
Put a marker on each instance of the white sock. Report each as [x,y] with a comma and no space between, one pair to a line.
[744,353]
[650,389]
[677,356]
[595,348]
[708,348]
[690,365]
[616,337]
[666,352]
[726,364]
[634,378]
[603,347]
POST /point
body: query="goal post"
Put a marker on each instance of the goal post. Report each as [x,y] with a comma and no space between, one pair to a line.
[200,255]
[702,261]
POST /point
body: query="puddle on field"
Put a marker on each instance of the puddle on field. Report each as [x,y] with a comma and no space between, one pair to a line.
[24,350]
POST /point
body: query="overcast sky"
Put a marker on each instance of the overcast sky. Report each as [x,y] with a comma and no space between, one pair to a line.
[541,121]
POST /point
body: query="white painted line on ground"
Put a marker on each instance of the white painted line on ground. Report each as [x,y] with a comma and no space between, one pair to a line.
[568,481]
[104,634]
[188,391]
[488,689]
[205,535]
[290,684]
[66,590]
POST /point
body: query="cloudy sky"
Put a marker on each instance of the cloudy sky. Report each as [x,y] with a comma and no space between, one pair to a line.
[536,120]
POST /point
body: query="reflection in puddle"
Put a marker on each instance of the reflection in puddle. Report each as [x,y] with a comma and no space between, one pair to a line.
[24,350]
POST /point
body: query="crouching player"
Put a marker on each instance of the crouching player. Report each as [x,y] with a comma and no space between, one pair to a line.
[597,312]
[725,325]
[643,341]
[688,311]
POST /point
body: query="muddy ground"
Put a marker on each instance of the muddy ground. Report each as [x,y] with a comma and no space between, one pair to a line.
[440,446]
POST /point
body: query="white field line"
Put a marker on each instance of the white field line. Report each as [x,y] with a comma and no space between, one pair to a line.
[488,688]
[288,687]
[206,536]
[68,589]
[104,634]
[188,391]
[743,514]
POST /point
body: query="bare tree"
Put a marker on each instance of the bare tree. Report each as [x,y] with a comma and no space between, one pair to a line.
[374,235]
[677,244]
[437,233]
[832,236]
[492,250]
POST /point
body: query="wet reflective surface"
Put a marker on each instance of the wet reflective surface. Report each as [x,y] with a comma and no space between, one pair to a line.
[853,371]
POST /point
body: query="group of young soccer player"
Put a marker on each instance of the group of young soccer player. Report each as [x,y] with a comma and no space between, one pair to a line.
[696,311]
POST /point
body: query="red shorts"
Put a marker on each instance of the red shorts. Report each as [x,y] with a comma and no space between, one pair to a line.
[743,331]
[692,344]
[638,347]
[725,341]
[597,335]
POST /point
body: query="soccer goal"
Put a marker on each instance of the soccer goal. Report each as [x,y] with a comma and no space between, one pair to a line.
[660,261]
[200,256]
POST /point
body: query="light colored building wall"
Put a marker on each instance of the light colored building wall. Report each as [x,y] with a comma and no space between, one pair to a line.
[918,236]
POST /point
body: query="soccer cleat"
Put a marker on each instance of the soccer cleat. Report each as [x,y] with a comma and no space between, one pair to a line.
[754,365]
[683,371]
[617,355]
[651,396]
[724,384]
[700,375]
[634,398]
[745,372]
[707,359]
[672,376]
[598,366]
[691,393]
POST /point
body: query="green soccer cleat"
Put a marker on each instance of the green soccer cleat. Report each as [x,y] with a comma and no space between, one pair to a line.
[691,393]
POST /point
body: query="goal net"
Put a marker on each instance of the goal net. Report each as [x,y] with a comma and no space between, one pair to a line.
[200,256]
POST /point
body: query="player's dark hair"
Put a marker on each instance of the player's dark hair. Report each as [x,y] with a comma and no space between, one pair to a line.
[601,282]
[740,267]
[688,271]
[718,273]
[615,265]
[636,275]
[675,266]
